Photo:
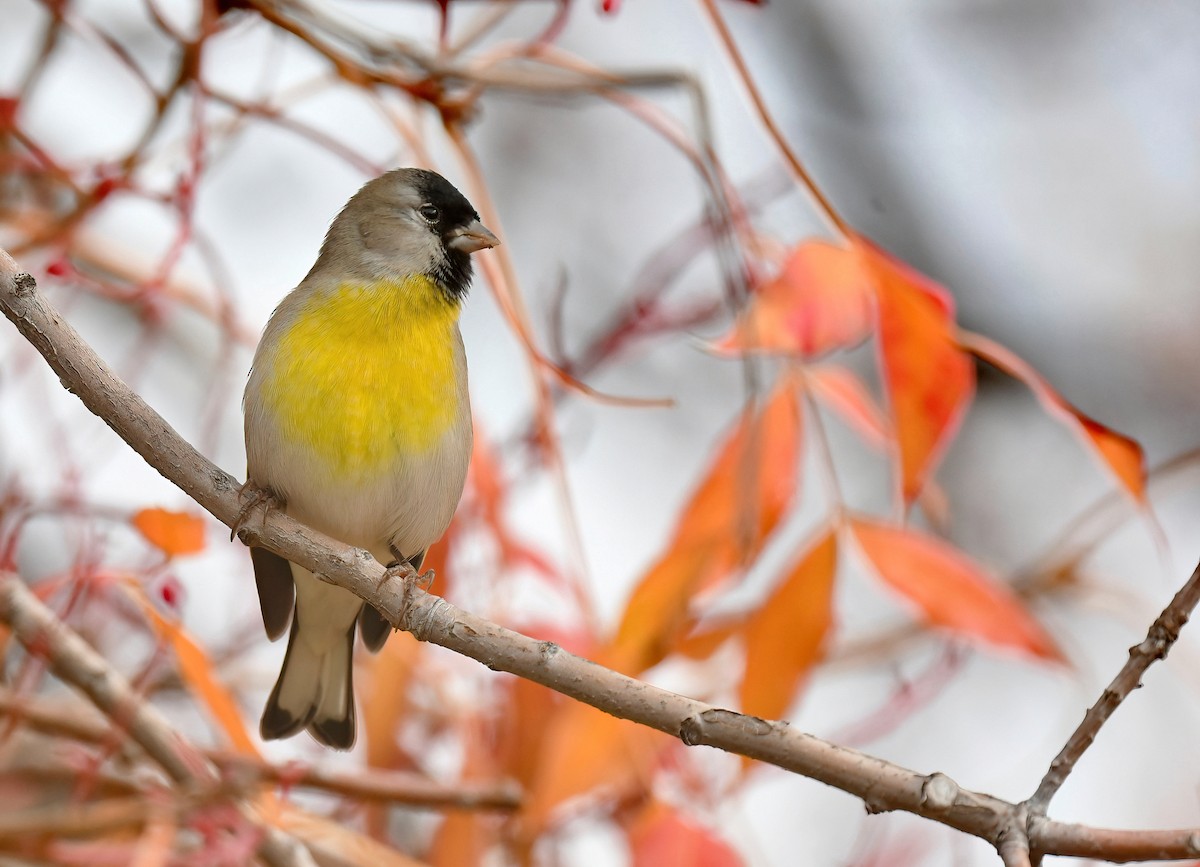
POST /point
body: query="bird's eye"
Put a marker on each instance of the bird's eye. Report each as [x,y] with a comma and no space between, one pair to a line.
[429,212]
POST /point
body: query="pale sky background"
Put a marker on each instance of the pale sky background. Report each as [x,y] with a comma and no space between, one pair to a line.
[1040,158]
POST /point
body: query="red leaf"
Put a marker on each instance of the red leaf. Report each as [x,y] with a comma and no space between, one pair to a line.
[786,637]
[1122,455]
[748,488]
[951,590]
[843,392]
[175,533]
[662,836]
[819,302]
[929,379]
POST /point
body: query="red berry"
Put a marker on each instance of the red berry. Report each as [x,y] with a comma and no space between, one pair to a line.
[104,188]
[171,592]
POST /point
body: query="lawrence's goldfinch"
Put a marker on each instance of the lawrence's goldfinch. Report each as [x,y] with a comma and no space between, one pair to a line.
[358,424]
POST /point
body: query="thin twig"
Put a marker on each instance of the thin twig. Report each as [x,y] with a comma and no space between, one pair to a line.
[90,819]
[1162,634]
[385,787]
[824,205]
[363,784]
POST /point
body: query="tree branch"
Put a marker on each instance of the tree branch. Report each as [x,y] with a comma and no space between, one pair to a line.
[1013,845]
[1162,634]
[73,660]
[363,784]
[881,785]
[69,821]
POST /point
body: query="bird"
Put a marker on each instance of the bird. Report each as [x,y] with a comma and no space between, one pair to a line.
[358,424]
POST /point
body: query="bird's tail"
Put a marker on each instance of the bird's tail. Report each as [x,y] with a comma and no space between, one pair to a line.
[315,690]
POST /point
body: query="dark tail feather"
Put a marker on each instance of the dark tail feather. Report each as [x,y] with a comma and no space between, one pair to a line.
[374,628]
[276,592]
[277,721]
[313,692]
[333,722]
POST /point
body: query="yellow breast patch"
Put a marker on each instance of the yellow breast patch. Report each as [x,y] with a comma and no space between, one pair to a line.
[366,373]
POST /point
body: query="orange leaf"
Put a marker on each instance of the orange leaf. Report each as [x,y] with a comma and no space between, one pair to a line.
[518,739]
[843,392]
[384,693]
[437,558]
[929,379]
[750,484]
[385,703]
[1122,455]
[521,728]
[466,836]
[951,590]
[819,302]
[658,609]
[587,753]
[748,488]
[786,637]
[197,671]
[338,842]
[662,836]
[703,642]
[489,492]
[175,533]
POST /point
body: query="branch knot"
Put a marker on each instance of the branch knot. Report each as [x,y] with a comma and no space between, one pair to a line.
[24,285]
[693,731]
[938,793]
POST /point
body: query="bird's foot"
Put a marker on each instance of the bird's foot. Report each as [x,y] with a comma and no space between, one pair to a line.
[252,496]
[404,571]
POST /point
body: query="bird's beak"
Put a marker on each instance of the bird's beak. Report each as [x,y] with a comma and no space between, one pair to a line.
[472,237]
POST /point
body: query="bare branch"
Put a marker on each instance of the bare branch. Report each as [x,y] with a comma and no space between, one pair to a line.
[1013,845]
[824,205]
[1049,837]
[88,819]
[366,784]
[1163,633]
[73,660]
[242,771]
[881,785]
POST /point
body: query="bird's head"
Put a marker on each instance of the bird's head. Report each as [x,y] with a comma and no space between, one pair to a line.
[406,222]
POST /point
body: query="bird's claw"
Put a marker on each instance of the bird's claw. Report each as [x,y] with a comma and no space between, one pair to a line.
[252,496]
[404,571]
